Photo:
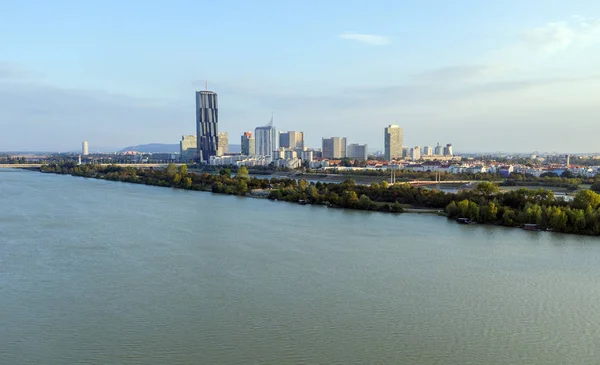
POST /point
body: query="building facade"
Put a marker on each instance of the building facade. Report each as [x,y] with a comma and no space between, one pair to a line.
[393,142]
[427,151]
[248,144]
[334,147]
[266,140]
[85,148]
[207,124]
[223,144]
[448,150]
[357,151]
[405,152]
[439,150]
[292,140]
[415,153]
[188,148]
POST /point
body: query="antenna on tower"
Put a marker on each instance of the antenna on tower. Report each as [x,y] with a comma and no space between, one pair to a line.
[206,85]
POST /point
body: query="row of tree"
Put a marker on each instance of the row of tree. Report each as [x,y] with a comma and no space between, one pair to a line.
[483,204]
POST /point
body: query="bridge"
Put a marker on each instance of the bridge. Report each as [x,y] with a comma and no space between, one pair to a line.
[137,165]
[418,183]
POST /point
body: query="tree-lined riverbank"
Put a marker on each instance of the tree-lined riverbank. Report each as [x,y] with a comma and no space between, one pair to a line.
[483,204]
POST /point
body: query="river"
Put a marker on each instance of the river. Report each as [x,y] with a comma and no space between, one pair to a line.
[99,272]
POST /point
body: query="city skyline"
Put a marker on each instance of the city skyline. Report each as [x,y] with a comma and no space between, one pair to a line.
[516,76]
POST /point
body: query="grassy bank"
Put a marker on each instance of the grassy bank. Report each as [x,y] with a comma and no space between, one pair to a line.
[483,204]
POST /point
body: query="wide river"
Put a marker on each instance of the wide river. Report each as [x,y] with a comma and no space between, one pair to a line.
[99,272]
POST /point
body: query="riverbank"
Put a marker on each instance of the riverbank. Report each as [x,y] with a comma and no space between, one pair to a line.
[483,204]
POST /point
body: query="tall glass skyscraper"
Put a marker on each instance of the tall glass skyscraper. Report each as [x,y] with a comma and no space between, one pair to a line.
[266,140]
[207,124]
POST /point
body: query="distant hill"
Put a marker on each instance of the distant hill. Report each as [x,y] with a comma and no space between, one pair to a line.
[168,148]
[153,148]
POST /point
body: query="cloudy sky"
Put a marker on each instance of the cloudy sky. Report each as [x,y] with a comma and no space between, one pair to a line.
[511,75]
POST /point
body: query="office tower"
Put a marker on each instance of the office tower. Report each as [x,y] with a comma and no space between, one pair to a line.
[84,148]
[223,144]
[248,144]
[439,150]
[415,153]
[188,148]
[448,150]
[427,151]
[334,147]
[393,142]
[307,155]
[207,124]
[357,151]
[266,140]
[405,151]
[292,140]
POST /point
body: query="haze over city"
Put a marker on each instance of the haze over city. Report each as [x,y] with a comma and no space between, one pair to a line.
[506,76]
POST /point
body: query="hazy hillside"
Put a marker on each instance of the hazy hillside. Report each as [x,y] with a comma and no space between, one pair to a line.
[168,148]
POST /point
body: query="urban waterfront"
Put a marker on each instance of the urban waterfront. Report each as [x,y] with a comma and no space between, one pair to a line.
[95,271]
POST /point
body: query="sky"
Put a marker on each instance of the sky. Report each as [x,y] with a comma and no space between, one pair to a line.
[486,76]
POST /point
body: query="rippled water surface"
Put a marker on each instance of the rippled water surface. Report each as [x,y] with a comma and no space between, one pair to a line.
[109,273]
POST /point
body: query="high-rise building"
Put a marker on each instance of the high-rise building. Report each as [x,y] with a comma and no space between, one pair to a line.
[188,148]
[427,151]
[223,144]
[84,148]
[448,150]
[292,140]
[266,140]
[393,142]
[248,144]
[334,147]
[439,150]
[207,124]
[415,153]
[357,151]
[405,152]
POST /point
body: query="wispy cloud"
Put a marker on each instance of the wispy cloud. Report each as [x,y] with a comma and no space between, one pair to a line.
[559,36]
[369,39]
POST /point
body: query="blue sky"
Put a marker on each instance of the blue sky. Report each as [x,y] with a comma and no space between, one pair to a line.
[485,76]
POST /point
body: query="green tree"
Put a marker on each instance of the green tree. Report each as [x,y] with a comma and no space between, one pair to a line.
[452,210]
[583,198]
[486,188]
[349,198]
[177,178]
[364,202]
[171,169]
[183,170]
[187,182]
[243,172]
[225,172]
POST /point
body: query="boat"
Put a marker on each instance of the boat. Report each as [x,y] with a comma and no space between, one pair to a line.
[531,227]
[465,221]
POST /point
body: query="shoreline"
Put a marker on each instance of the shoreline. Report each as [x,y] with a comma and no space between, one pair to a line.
[481,205]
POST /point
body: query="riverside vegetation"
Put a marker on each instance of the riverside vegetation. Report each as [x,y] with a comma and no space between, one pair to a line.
[482,204]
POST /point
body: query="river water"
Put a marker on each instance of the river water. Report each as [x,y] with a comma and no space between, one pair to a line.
[99,272]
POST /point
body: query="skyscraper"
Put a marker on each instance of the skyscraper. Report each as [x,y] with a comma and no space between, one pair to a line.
[266,140]
[427,151]
[334,147]
[448,150]
[223,143]
[84,148]
[291,139]
[248,144]
[393,142]
[207,124]
[439,150]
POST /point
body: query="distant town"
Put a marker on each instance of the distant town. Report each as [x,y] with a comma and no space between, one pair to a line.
[267,148]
